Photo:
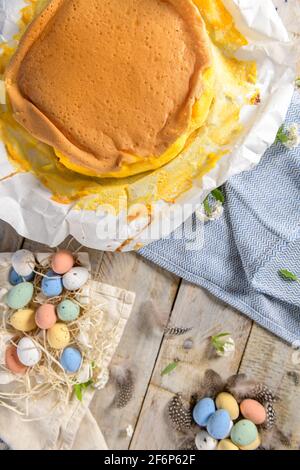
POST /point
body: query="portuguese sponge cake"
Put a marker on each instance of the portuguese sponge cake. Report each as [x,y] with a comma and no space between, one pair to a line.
[113,84]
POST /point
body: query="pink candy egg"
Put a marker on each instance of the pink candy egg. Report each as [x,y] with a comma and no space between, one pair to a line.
[254,411]
[62,262]
[45,316]
[12,361]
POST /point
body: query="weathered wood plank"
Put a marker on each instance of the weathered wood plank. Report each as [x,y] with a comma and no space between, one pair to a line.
[9,239]
[275,363]
[155,290]
[207,315]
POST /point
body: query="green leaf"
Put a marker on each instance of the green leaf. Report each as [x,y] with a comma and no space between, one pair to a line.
[287,275]
[297,82]
[87,384]
[220,335]
[218,195]
[217,342]
[78,391]
[207,208]
[282,136]
[170,367]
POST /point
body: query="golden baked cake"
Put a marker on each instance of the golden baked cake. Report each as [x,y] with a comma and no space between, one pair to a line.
[123,102]
[116,88]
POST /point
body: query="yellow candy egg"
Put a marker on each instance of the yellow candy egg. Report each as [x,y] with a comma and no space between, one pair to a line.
[58,336]
[253,446]
[23,320]
[226,401]
[227,444]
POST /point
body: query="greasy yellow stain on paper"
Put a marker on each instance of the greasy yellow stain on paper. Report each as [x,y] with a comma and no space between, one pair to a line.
[234,86]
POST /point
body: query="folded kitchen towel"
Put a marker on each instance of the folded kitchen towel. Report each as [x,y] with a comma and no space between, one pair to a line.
[258,235]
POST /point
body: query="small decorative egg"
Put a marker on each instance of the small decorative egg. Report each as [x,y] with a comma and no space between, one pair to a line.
[75,278]
[23,262]
[28,352]
[71,360]
[19,296]
[226,401]
[62,261]
[203,410]
[254,445]
[254,411]
[218,425]
[12,361]
[204,441]
[52,284]
[15,278]
[68,310]
[244,433]
[58,336]
[23,320]
[227,444]
[45,316]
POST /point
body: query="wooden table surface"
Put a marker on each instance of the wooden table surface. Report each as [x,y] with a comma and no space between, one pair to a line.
[162,298]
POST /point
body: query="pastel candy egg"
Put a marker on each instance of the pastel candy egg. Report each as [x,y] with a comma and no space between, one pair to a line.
[23,262]
[62,261]
[254,411]
[244,433]
[203,410]
[52,284]
[227,444]
[23,320]
[226,401]
[45,316]
[71,360]
[75,278]
[15,278]
[218,425]
[28,352]
[204,441]
[253,446]
[12,361]
[68,310]
[58,336]
[19,296]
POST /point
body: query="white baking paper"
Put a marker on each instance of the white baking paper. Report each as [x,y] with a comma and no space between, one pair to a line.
[27,206]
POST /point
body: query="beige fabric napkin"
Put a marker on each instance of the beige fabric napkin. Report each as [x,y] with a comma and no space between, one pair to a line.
[71,426]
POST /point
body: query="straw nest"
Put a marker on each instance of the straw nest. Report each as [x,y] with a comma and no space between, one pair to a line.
[88,333]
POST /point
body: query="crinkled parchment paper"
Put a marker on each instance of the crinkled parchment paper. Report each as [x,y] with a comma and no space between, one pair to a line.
[28,207]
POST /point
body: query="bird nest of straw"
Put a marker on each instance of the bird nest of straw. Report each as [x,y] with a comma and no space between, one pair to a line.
[89,334]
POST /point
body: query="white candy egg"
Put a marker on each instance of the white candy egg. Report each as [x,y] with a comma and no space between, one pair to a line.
[23,262]
[28,353]
[75,278]
[204,441]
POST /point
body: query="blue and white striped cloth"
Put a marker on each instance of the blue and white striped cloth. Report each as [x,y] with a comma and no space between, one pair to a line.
[258,234]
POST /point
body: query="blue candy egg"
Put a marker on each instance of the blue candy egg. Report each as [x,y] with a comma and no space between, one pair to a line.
[203,410]
[219,424]
[71,360]
[15,278]
[52,284]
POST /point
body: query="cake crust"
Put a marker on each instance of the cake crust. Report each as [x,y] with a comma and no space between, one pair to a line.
[110,82]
